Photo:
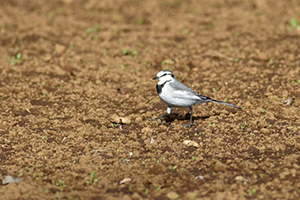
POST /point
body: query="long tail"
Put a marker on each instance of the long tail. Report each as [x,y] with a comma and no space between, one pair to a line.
[224,103]
[208,99]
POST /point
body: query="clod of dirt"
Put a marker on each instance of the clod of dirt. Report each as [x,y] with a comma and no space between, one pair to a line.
[220,167]
[59,71]
[192,195]
[76,92]
[67,1]
[191,143]
[216,54]
[116,119]
[172,195]
[59,48]
[265,131]
[158,169]
[10,179]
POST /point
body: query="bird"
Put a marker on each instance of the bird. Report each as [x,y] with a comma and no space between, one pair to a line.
[176,94]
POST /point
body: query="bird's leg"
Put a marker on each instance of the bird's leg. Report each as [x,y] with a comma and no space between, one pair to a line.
[191,119]
[162,116]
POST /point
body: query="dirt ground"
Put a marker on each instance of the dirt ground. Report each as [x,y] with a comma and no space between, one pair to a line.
[76,93]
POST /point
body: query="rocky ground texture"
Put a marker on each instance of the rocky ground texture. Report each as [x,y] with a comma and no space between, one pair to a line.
[76,93]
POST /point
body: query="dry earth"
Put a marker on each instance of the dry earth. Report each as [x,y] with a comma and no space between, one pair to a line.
[76,94]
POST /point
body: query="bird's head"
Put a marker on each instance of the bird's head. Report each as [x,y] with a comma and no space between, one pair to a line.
[163,76]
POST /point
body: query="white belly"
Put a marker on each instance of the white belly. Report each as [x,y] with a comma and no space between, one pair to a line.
[175,101]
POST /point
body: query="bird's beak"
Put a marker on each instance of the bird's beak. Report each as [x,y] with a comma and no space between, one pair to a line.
[155,78]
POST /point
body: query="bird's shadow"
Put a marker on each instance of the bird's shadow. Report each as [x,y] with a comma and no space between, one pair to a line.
[171,118]
[183,117]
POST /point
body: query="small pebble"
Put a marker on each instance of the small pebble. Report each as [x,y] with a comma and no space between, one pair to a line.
[10,179]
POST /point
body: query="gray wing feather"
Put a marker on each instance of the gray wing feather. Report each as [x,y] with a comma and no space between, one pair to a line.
[182,91]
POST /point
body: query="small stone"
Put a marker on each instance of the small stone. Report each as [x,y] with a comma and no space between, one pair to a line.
[199,177]
[288,101]
[191,143]
[125,180]
[10,179]
[152,141]
[239,178]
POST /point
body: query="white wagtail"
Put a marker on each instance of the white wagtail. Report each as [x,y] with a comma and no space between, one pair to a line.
[176,94]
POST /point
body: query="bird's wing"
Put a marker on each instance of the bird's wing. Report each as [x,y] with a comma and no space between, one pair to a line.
[183,92]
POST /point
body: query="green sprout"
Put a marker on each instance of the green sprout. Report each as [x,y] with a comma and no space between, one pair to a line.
[16,59]
[186,31]
[94,29]
[140,21]
[277,98]
[59,183]
[261,175]
[243,125]
[293,23]
[251,192]
[127,52]
[50,15]
[93,178]
[167,61]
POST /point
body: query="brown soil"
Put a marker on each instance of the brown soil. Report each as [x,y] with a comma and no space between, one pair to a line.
[72,71]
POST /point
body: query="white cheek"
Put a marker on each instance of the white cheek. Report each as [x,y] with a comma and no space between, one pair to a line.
[163,79]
